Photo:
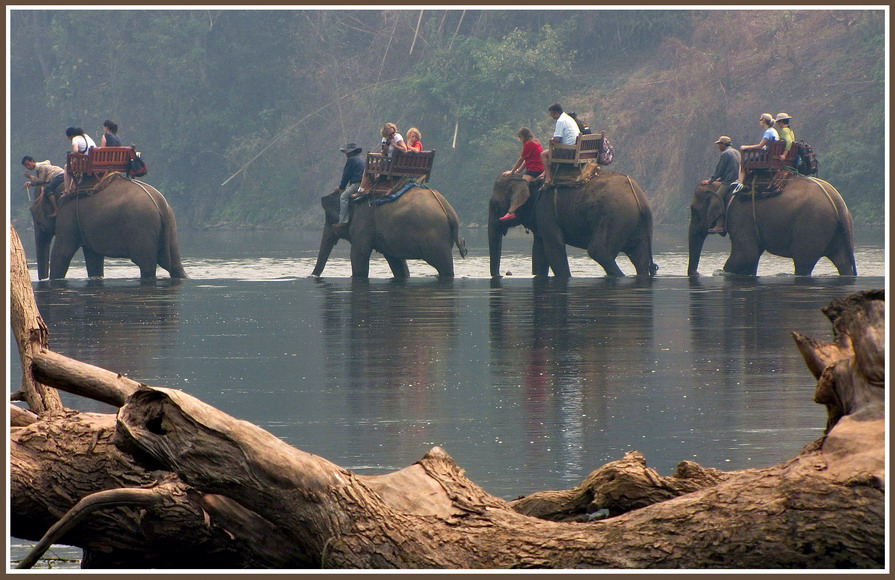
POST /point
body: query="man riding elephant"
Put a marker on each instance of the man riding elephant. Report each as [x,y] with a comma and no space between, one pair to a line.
[727,172]
[352,174]
[47,175]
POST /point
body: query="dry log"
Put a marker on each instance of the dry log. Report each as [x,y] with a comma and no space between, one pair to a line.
[617,488]
[229,494]
[430,515]
[29,329]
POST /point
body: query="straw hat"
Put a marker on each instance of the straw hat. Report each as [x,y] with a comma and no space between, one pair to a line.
[783,117]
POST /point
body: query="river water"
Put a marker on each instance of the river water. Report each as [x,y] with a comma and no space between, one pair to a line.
[529,384]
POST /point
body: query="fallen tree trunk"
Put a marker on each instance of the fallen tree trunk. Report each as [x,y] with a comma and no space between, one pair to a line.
[29,329]
[223,491]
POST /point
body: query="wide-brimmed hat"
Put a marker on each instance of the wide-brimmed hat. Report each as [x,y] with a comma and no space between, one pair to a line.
[350,148]
[783,117]
[724,139]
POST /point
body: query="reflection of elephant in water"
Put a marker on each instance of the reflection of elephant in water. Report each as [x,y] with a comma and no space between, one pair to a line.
[806,222]
[605,216]
[123,219]
[419,225]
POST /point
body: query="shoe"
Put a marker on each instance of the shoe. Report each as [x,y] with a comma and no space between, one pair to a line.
[718,230]
[508,217]
[339,228]
[739,187]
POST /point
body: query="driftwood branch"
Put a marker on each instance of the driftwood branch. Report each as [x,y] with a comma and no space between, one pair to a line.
[227,494]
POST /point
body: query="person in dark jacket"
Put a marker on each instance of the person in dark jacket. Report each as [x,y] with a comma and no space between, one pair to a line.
[352,174]
[727,171]
[110,134]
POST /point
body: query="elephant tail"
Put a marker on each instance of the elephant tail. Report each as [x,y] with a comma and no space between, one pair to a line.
[646,217]
[461,245]
[169,248]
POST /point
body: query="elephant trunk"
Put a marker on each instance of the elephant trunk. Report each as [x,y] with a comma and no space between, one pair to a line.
[495,240]
[697,236]
[327,243]
[42,243]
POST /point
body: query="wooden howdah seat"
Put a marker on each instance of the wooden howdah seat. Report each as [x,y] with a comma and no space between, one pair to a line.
[415,165]
[765,173]
[99,162]
[755,159]
[585,149]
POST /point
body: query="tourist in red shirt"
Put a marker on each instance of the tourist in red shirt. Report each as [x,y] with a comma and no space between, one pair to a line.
[529,165]
[413,139]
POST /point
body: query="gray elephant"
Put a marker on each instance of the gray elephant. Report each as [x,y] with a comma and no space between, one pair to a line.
[419,225]
[123,218]
[807,221]
[607,215]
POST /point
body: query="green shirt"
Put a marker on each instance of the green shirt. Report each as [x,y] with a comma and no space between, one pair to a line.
[788,137]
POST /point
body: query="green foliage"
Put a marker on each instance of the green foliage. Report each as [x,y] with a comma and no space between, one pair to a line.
[262,99]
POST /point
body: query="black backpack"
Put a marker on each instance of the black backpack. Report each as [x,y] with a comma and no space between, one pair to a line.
[582,126]
[806,160]
[137,167]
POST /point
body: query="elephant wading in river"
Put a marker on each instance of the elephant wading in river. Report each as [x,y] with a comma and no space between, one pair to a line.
[606,215]
[123,218]
[419,225]
[807,221]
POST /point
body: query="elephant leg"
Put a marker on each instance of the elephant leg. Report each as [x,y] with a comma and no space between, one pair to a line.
[95,263]
[443,261]
[743,259]
[398,266]
[60,259]
[555,253]
[844,259]
[805,267]
[598,252]
[641,256]
[360,259]
[539,264]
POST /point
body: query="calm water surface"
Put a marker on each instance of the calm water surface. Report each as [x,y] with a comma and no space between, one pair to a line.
[529,384]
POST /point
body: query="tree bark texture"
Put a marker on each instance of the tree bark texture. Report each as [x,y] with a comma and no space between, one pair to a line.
[196,487]
[29,329]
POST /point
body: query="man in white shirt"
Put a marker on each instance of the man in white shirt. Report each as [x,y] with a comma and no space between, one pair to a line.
[566,133]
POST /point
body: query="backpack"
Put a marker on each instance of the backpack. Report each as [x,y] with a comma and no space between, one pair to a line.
[806,160]
[582,126]
[137,167]
[607,152]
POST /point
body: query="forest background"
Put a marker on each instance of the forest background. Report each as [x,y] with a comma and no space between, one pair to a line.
[240,113]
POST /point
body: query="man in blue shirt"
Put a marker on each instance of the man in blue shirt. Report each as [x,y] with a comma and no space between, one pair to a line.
[352,175]
[727,171]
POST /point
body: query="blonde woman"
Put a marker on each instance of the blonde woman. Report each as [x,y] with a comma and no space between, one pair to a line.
[414,137]
[391,140]
[766,122]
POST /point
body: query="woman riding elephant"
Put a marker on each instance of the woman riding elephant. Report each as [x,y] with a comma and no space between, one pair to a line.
[121,218]
[418,225]
[607,215]
[808,220]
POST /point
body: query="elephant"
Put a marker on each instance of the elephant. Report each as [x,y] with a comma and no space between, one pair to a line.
[806,221]
[420,224]
[120,218]
[606,215]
